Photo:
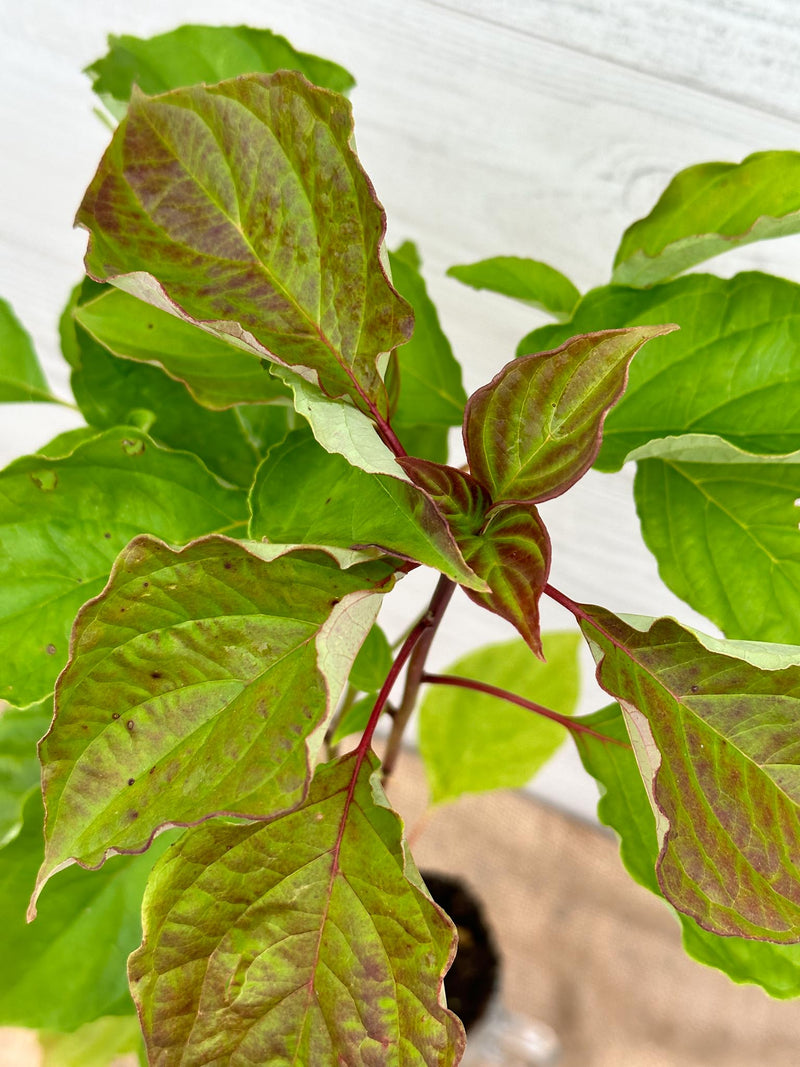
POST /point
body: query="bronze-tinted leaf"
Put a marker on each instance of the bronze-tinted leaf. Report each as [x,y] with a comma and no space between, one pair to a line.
[506,545]
[242,207]
[308,940]
[717,743]
[512,555]
[536,428]
[199,683]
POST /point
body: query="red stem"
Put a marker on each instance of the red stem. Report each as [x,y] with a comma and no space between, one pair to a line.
[388,685]
[565,602]
[431,619]
[573,725]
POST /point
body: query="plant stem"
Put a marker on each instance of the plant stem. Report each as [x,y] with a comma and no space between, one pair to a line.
[420,636]
[386,432]
[565,602]
[573,725]
[429,623]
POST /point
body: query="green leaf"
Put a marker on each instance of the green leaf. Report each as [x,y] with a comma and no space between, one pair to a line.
[64,520]
[431,392]
[536,428]
[20,773]
[373,662]
[723,525]
[355,719]
[341,428]
[21,377]
[770,657]
[113,392]
[305,495]
[199,683]
[68,967]
[624,806]
[471,742]
[267,236]
[706,210]
[308,940]
[216,373]
[432,442]
[733,369]
[94,1044]
[528,280]
[192,54]
[716,743]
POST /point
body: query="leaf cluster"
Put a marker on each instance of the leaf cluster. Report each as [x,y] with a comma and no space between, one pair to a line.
[190,583]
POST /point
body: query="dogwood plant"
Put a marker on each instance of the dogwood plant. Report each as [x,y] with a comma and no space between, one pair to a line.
[190,582]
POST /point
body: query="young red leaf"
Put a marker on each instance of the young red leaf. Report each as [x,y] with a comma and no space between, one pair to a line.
[506,545]
[199,683]
[536,428]
[463,501]
[512,555]
[717,743]
[242,207]
[308,940]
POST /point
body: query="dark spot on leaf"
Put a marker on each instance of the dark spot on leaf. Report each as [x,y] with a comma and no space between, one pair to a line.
[122,611]
[46,480]
[115,715]
[131,781]
[129,724]
[152,770]
[329,500]
[132,448]
[51,650]
[334,602]
[145,585]
[107,535]
[150,326]
[695,688]
[133,815]
[227,564]
[155,674]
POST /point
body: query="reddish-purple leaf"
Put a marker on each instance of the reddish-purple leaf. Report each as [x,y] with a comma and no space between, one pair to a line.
[463,501]
[242,207]
[718,746]
[512,555]
[506,545]
[536,428]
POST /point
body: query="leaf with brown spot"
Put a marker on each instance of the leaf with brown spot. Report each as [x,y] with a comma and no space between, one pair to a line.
[717,744]
[241,207]
[249,660]
[308,940]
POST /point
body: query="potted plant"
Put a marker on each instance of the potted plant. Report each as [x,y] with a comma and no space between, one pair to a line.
[191,581]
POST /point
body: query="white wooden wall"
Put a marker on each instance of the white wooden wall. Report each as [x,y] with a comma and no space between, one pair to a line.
[528,127]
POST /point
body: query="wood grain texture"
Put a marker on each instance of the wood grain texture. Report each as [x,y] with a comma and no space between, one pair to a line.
[489,127]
